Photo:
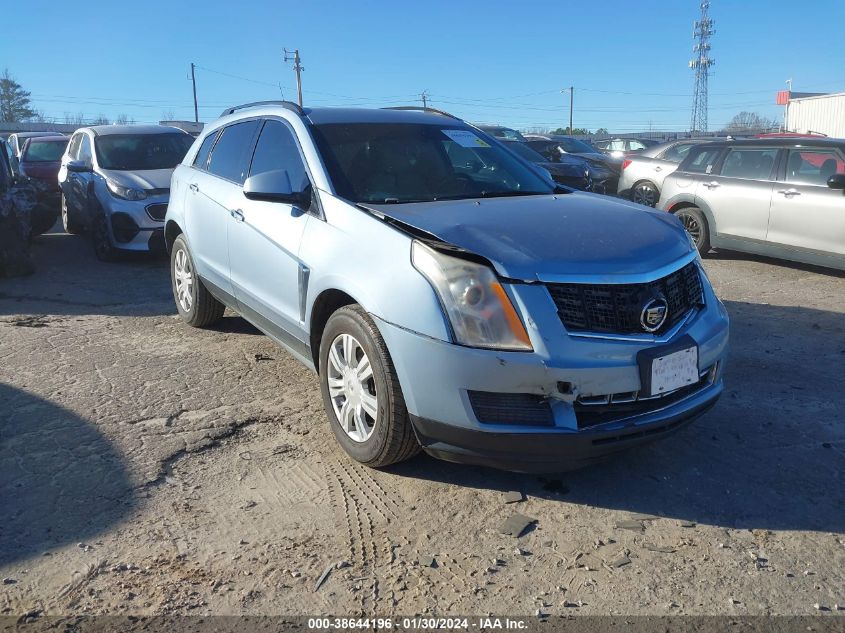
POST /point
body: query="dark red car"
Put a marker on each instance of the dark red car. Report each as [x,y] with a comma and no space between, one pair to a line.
[40,160]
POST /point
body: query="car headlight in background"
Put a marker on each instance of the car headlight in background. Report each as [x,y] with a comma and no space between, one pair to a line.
[127,193]
[476,304]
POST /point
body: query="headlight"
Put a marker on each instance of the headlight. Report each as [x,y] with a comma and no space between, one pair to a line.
[127,193]
[478,308]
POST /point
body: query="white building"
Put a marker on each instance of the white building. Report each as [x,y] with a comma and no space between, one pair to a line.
[823,114]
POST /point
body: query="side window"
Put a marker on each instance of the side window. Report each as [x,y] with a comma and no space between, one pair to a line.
[277,150]
[230,158]
[616,145]
[813,166]
[754,164]
[201,159]
[635,146]
[677,153]
[702,161]
[85,149]
[73,152]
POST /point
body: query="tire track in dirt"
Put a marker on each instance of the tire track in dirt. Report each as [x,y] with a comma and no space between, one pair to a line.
[365,511]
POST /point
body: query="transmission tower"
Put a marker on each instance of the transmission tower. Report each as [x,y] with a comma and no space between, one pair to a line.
[702,31]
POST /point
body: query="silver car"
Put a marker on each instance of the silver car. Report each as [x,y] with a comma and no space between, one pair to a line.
[643,174]
[115,182]
[781,197]
[449,296]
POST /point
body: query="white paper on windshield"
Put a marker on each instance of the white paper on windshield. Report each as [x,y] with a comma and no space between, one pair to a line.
[465,138]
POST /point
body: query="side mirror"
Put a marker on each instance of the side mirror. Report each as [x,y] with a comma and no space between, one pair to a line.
[78,166]
[836,181]
[274,186]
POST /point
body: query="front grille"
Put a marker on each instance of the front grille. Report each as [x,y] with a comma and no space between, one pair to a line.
[616,308]
[594,410]
[522,409]
[157,211]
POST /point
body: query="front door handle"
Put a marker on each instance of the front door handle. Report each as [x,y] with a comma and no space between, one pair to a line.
[237,214]
[711,185]
[658,168]
[193,187]
[789,192]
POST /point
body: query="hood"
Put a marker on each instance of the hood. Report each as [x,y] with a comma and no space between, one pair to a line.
[552,238]
[145,179]
[42,171]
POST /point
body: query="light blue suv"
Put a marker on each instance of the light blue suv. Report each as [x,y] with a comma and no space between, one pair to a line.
[449,295]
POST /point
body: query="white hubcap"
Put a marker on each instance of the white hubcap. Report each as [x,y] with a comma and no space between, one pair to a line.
[183,276]
[352,388]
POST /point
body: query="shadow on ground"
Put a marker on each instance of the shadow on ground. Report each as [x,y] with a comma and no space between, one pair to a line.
[62,482]
[70,280]
[770,455]
[725,255]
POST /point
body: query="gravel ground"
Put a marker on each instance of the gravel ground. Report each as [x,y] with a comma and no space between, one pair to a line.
[150,468]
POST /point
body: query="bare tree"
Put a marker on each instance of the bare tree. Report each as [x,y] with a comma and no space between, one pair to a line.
[168,115]
[74,119]
[749,122]
[121,119]
[101,119]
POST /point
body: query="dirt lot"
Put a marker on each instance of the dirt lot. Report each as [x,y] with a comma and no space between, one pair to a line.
[151,468]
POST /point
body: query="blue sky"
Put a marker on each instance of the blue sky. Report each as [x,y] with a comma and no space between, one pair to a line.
[492,61]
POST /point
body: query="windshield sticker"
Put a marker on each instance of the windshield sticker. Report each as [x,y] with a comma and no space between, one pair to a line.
[465,138]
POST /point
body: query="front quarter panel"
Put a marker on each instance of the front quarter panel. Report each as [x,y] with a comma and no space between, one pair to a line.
[363,256]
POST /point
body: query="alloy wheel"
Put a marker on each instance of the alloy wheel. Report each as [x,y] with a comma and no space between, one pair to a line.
[352,388]
[645,194]
[692,226]
[183,276]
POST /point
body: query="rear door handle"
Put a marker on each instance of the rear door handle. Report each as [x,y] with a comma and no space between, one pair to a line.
[658,168]
[193,187]
[711,185]
[237,214]
[789,192]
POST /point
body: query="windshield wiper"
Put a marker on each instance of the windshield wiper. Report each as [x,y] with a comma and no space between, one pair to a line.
[507,194]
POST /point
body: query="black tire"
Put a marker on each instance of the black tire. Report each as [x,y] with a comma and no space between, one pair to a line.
[70,223]
[104,249]
[696,225]
[392,437]
[645,193]
[203,309]
[42,222]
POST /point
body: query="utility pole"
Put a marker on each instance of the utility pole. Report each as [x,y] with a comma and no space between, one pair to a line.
[424,97]
[294,57]
[571,91]
[194,81]
[702,31]
[786,105]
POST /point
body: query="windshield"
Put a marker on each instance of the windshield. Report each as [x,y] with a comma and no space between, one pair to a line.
[412,162]
[526,152]
[44,151]
[574,146]
[137,152]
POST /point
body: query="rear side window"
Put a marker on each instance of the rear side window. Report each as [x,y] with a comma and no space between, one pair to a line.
[73,152]
[201,159]
[230,158]
[700,161]
[813,166]
[277,150]
[754,164]
[678,152]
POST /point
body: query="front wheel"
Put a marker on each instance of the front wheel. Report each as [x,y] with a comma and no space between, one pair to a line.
[361,391]
[195,303]
[696,225]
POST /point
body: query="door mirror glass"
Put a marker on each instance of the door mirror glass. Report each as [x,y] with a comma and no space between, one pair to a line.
[274,186]
[837,181]
[78,166]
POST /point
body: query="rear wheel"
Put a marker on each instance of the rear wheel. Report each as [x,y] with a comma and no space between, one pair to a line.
[361,391]
[195,303]
[696,225]
[645,193]
[69,221]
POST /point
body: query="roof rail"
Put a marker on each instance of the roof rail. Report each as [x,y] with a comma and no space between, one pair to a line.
[426,109]
[290,105]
